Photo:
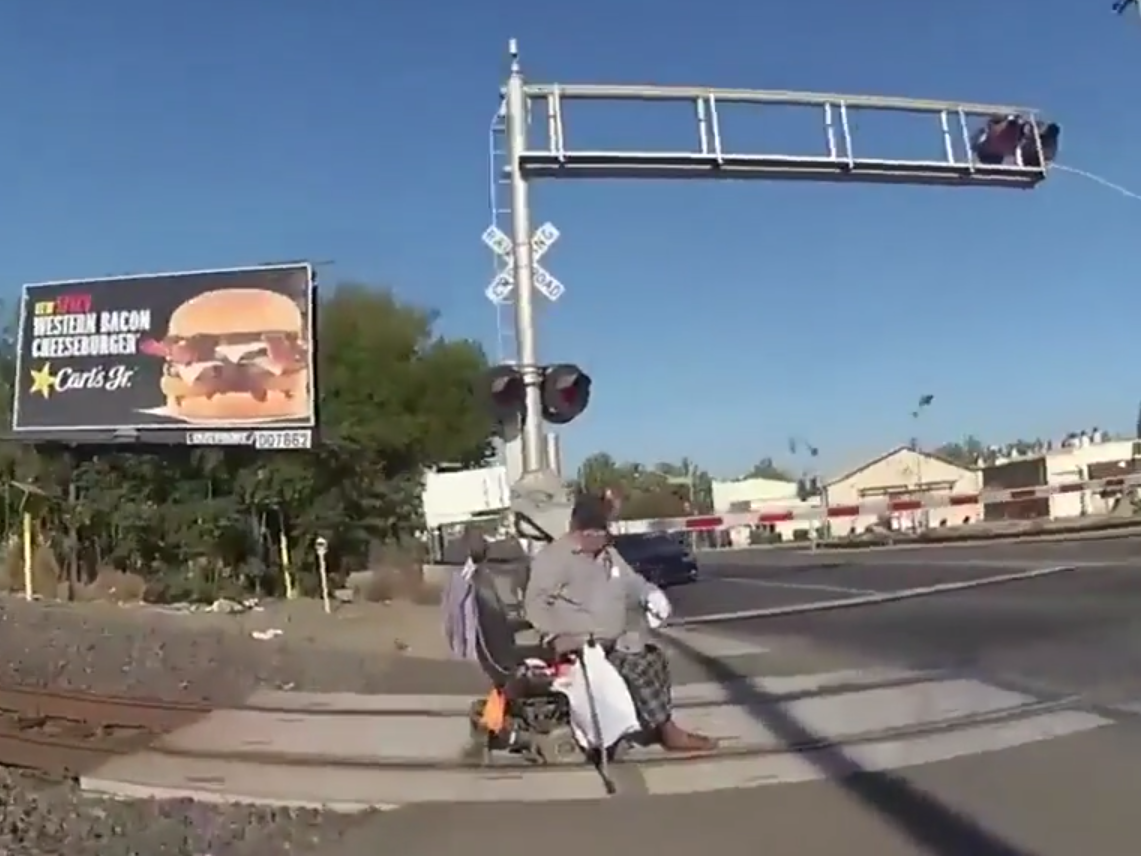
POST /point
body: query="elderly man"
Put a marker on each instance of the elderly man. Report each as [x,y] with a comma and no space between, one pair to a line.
[581,588]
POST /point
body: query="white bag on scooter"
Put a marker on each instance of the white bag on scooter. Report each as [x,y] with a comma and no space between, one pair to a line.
[617,717]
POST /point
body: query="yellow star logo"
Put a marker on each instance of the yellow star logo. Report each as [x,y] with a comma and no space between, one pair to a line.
[43,381]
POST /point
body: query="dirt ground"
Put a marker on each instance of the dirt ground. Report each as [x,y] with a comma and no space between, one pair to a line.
[376,628]
[214,656]
[395,628]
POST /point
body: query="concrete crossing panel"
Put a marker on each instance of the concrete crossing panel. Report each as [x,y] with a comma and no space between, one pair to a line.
[852,708]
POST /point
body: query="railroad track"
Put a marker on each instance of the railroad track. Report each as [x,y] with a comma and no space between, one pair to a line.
[67,733]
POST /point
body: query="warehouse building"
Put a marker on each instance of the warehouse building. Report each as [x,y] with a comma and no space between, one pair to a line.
[1072,463]
[900,473]
[905,473]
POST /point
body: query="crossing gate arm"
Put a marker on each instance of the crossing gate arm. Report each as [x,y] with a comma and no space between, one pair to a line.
[875,507]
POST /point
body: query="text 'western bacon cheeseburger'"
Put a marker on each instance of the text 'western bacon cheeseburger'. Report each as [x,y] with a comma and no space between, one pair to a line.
[234,354]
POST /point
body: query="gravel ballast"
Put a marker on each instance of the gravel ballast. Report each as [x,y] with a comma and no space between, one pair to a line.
[39,817]
[210,658]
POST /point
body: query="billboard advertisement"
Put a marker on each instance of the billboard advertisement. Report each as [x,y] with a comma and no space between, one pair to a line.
[220,357]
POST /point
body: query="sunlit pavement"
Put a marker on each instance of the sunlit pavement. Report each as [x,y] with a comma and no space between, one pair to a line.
[1073,634]
[1074,639]
[1069,796]
[761,579]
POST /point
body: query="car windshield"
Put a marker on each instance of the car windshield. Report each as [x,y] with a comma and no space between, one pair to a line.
[640,545]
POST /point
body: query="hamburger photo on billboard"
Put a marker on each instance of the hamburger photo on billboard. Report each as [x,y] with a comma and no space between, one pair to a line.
[235,354]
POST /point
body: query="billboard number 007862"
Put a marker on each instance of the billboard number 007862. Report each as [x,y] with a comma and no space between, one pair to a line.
[301,439]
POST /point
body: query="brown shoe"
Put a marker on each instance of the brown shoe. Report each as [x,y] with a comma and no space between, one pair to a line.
[676,739]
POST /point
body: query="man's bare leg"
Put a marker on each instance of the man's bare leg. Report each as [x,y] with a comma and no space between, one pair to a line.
[674,738]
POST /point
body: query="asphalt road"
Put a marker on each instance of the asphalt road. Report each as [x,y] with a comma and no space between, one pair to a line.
[1074,637]
[1072,633]
[1061,798]
[1077,633]
[1112,548]
[760,579]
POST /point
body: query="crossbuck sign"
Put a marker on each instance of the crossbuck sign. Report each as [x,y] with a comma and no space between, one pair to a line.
[502,286]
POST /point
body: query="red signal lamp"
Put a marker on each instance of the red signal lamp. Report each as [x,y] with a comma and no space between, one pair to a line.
[506,395]
[565,393]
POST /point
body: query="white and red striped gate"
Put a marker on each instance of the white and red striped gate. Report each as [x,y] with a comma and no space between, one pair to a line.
[874,507]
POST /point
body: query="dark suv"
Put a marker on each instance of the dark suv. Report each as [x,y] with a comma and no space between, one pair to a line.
[661,558]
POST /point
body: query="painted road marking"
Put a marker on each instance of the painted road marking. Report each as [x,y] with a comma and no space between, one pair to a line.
[715,645]
[917,565]
[872,599]
[1132,707]
[875,756]
[797,586]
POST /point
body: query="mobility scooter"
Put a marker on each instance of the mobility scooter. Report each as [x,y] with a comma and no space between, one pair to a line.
[530,708]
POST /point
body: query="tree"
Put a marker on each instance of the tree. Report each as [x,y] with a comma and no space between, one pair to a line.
[696,482]
[664,490]
[599,472]
[393,398]
[766,469]
[965,453]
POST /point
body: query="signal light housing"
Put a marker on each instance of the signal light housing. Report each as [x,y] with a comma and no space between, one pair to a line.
[1048,133]
[997,140]
[565,393]
[806,488]
[506,395]
[1014,139]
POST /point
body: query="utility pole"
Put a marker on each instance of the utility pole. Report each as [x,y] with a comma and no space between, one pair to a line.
[687,478]
[713,156]
[807,471]
[924,402]
[516,115]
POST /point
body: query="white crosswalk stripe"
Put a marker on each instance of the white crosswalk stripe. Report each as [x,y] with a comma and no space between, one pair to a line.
[709,644]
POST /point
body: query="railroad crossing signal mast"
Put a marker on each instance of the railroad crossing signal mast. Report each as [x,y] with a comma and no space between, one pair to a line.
[840,159]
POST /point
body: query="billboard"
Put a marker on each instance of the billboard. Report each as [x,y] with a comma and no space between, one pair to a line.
[219,357]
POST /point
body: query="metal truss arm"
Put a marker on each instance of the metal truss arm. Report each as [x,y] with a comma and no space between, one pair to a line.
[841,158]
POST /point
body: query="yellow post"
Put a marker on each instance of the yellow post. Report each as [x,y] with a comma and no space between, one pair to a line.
[286,569]
[29,547]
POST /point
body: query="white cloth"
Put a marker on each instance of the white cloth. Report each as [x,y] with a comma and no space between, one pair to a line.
[617,716]
[658,609]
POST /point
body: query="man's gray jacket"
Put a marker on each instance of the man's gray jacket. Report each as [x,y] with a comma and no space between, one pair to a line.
[572,596]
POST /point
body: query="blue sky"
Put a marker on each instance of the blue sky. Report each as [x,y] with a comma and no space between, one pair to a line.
[716,319]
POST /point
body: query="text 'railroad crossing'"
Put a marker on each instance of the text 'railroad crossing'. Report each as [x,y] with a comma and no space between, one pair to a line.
[504,283]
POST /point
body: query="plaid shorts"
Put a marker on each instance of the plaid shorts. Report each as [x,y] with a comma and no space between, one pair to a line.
[647,674]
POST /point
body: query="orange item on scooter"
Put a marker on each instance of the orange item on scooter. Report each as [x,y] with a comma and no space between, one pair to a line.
[494,712]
